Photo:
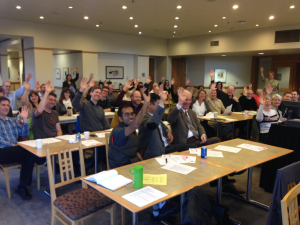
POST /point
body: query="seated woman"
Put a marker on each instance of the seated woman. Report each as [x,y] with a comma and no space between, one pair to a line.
[276,101]
[265,117]
[31,100]
[64,107]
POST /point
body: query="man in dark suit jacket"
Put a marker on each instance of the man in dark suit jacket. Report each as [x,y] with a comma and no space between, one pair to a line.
[185,125]
[154,134]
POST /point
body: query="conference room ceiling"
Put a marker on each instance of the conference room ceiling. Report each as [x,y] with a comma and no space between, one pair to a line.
[156,18]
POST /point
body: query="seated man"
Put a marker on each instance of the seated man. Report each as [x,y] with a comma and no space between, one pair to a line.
[111,96]
[154,86]
[152,128]
[103,101]
[10,114]
[287,96]
[295,95]
[248,102]
[11,129]
[185,125]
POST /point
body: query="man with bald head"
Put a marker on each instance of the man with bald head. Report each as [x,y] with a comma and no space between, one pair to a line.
[136,98]
[248,102]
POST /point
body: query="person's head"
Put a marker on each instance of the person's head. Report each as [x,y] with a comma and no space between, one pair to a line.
[6,87]
[201,95]
[110,88]
[51,101]
[155,85]
[276,100]
[287,96]
[154,100]
[166,83]
[259,92]
[140,84]
[271,75]
[201,87]
[34,98]
[156,90]
[249,94]
[105,91]
[136,98]
[43,88]
[69,77]
[213,94]
[1,92]
[267,103]
[126,114]
[230,90]
[95,94]
[219,85]
[295,95]
[4,106]
[188,101]
[64,95]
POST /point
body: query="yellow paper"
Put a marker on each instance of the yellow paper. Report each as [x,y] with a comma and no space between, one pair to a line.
[156,179]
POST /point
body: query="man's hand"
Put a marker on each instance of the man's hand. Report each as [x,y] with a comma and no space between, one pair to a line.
[48,87]
[29,76]
[235,99]
[105,83]
[138,79]
[163,78]
[261,69]
[250,86]
[26,85]
[37,85]
[212,74]
[245,90]
[188,82]
[230,113]
[163,95]
[149,80]
[203,139]
[92,83]
[83,84]
[213,86]
[172,81]
[181,96]
[128,85]
[91,76]
[75,70]
[170,136]
[24,113]
[146,97]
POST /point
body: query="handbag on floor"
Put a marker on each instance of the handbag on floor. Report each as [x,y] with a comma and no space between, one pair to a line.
[219,212]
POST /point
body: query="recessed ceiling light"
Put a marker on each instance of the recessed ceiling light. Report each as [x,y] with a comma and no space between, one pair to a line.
[235,6]
[271,17]
[174,32]
[70,7]
[86,17]
[257,25]
[176,18]
[124,7]
[173,36]
[131,18]
[223,55]
[41,17]
[135,25]
[179,7]
[18,7]
[224,17]
[216,25]
[175,26]
[292,7]
[209,31]
[140,32]
[8,50]
[97,25]
[261,53]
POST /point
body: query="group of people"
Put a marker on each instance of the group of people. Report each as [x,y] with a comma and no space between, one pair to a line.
[139,109]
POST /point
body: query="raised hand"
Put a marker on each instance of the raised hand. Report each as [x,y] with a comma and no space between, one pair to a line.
[212,74]
[29,76]
[235,99]
[75,70]
[250,86]
[162,94]
[26,85]
[149,80]
[163,78]
[146,97]
[48,87]
[139,79]
[261,69]
[188,81]
[181,95]
[92,83]
[24,113]
[91,76]
[245,90]
[172,81]
[83,84]
[105,83]
[128,85]
[262,100]
[37,85]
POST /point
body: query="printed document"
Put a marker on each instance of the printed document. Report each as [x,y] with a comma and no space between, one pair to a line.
[100,135]
[90,142]
[179,168]
[155,179]
[228,149]
[32,143]
[227,110]
[252,147]
[212,153]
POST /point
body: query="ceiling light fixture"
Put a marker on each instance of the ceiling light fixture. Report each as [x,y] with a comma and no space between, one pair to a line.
[223,55]
[174,32]
[18,7]
[41,17]
[97,25]
[235,6]
[124,7]
[86,17]
[179,7]
[8,50]
[173,36]
[216,25]
[140,32]
[176,18]
[209,31]
[131,18]
[271,17]
[70,7]
[224,17]
[135,25]
[261,53]
[175,26]
[292,7]
[257,25]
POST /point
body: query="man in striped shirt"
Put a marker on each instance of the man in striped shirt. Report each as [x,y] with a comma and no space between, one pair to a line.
[10,130]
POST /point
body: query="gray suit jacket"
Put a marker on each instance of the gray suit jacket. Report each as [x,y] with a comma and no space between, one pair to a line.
[179,126]
[150,136]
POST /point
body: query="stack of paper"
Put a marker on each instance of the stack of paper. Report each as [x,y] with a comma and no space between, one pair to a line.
[165,159]
[155,179]
[212,153]
[195,150]
[228,149]
[100,135]
[109,130]
[179,168]
[252,147]
[45,141]
[90,142]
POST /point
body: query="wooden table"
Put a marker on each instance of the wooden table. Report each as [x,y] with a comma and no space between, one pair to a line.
[235,117]
[177,184]
[245,159]
[73,119]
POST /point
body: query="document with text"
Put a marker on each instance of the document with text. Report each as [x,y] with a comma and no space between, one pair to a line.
[179,168]
[228,149]
[252,147]
[212,153]
[155,179]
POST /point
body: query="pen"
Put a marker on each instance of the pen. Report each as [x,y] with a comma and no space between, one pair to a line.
[166,161]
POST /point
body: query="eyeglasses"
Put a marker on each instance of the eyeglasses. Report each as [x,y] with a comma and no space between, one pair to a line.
[129,114]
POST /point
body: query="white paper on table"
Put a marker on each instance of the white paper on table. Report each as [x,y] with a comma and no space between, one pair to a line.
[31,143]
[227,110]
[144,196]
[209,115]
[212,153]
[194,150]
[109,129]
[228,149]
[179,168]
[252,147]
[90,142]
[230,119]
[179,159]
[161,161]
[45,141]
[100,135]
[238,113]
[75,115]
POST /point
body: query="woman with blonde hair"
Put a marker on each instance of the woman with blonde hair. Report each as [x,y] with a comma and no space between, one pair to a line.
[270,80]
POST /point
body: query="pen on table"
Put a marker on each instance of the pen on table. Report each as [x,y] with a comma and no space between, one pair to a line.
[166,161]
[120,188]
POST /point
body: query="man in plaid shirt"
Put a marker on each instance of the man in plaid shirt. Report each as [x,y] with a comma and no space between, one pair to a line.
[10,130]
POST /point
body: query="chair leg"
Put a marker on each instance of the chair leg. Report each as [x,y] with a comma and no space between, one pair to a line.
[6,175]
[53,217]
[113,214]
[37,175]
[123,215]
[75,222]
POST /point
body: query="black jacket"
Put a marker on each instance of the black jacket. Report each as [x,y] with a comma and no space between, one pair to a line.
[248,104]
[66,84]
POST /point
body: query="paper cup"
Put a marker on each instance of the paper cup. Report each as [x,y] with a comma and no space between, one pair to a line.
[246,113]
[39,143]
[86,135]
[215,115]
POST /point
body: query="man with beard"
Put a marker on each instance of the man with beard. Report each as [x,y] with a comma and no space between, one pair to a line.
[248,102]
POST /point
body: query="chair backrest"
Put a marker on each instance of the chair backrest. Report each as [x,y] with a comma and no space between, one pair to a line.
[115,120]
[289,207]
[168,102]
[65,165]
[107,135]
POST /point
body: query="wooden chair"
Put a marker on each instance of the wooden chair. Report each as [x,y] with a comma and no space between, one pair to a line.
[78,205]
[168,102]
[115,120]
[289,207]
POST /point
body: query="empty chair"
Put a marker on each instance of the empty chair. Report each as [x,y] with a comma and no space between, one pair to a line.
[289,207]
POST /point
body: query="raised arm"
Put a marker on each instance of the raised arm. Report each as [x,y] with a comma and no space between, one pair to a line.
[128,85]
[259,116]
[25,94]
[91,77]
[90,85]
[39,110]
[77,104]
[21,90]
[37,86]
[173,113]
[269,90]
[77,75]
[262,74]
